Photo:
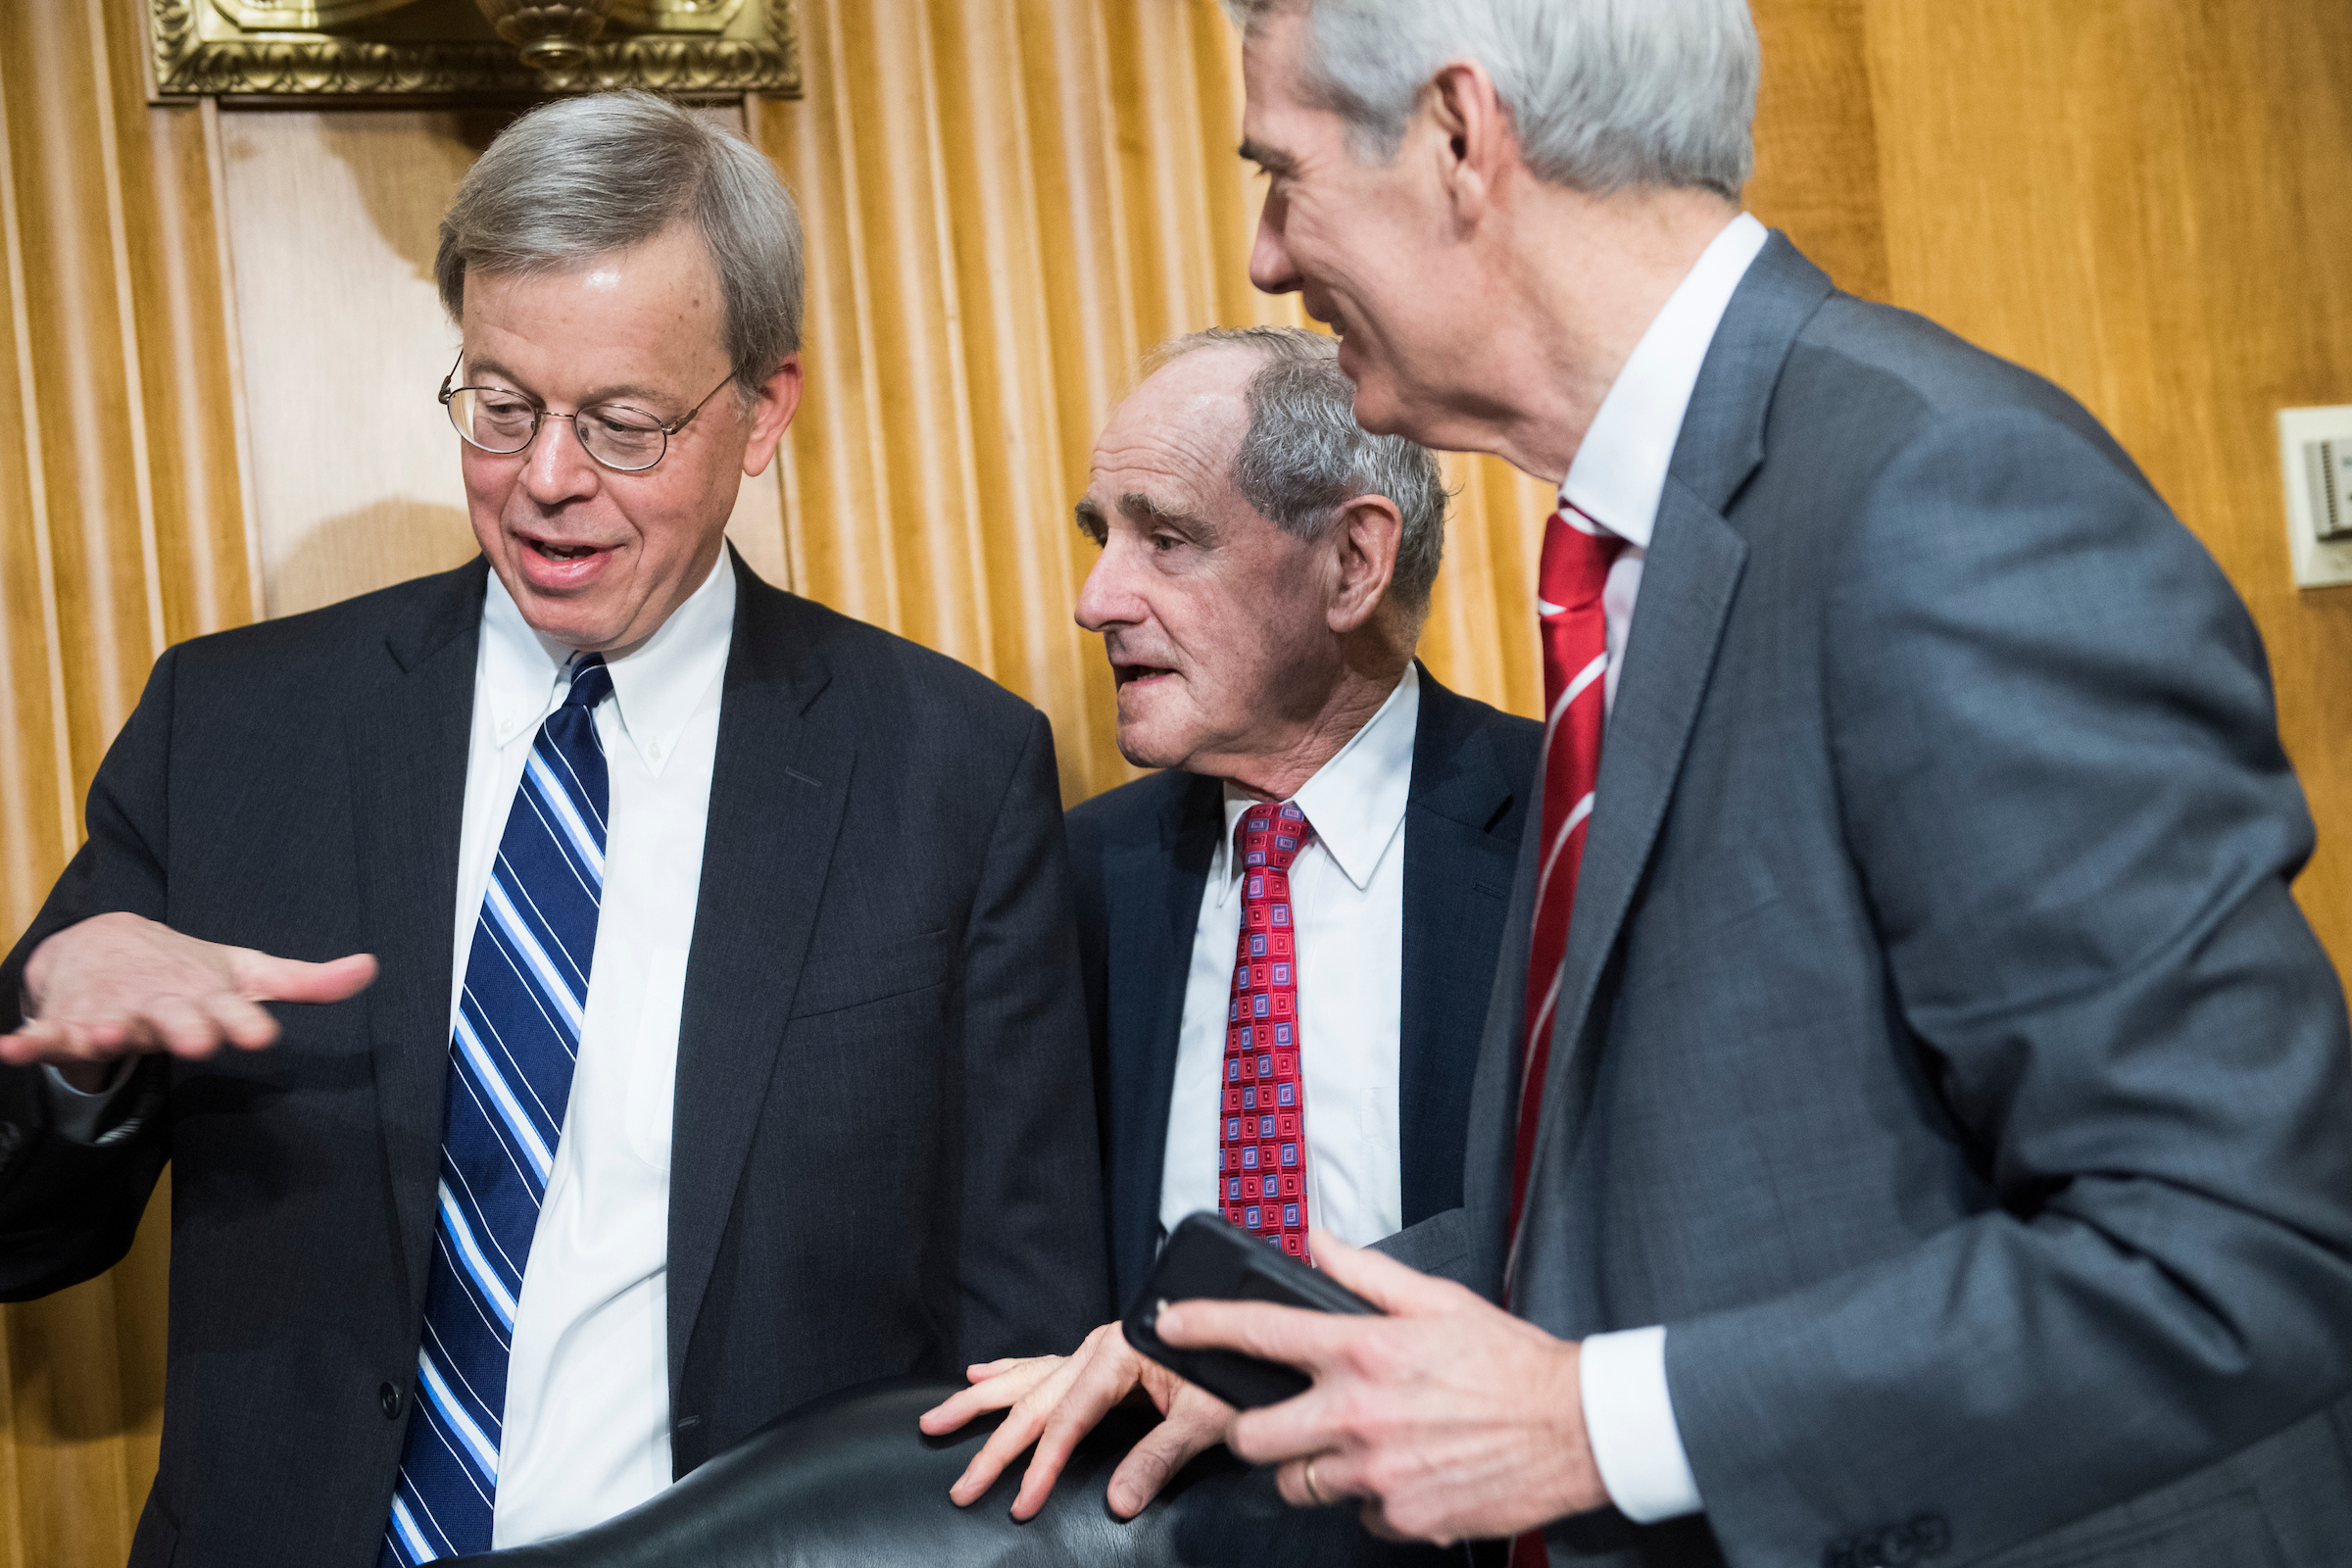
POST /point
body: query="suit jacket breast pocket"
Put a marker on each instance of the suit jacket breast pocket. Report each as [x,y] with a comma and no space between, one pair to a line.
[839,977]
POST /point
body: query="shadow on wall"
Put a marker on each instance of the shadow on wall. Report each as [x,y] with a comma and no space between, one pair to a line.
[373,546]
[405,201]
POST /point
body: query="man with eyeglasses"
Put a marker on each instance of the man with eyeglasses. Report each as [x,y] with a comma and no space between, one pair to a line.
[700,921]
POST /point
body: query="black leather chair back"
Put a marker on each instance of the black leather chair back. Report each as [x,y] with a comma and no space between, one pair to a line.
[849,1481]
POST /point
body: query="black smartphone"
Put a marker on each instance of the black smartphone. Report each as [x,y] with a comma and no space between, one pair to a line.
[1208,1258]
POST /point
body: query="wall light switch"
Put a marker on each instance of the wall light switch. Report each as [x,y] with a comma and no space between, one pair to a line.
[2314,447]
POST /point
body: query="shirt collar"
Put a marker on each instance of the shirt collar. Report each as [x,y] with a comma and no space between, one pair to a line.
[1620,469]
[656,688]
[1355,802]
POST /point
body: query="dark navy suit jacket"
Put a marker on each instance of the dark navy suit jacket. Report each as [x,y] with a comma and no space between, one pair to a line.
[1140,857]
[882,1152]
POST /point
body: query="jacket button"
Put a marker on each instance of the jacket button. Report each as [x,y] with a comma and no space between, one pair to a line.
[389,1397]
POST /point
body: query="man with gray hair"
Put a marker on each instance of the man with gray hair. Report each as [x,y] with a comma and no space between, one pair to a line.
[1264,573]
[727,1048]
[1914,1121]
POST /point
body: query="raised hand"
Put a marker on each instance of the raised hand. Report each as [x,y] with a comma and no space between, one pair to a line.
[1449,1417]
[1057,1400]
[116,985]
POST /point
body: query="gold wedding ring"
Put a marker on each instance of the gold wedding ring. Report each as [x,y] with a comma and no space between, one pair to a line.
[1314,1493]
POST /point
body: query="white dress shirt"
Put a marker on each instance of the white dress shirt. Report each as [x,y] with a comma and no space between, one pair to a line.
[587,1417]
[1617,479]
[1348,913]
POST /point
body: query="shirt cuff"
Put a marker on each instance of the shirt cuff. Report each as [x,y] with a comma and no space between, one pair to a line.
[81,1117]
[1628,1421]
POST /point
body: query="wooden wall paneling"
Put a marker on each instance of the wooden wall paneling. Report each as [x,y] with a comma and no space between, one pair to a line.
[2139,200]
[837,479]
[36,827]
[1089,335]
[1021,474]
[1480,638]
[177,310]
[37,815]
[97,509]
[343,341]
[905,548]
[1154,94]
[1817,142]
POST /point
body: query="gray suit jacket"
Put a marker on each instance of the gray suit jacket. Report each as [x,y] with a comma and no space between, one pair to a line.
[1940,1056]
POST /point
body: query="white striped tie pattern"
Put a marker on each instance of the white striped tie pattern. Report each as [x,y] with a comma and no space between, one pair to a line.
[1578,554]
[510,1057]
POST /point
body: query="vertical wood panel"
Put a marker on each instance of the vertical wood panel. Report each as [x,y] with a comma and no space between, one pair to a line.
[2140,200]
[96,512]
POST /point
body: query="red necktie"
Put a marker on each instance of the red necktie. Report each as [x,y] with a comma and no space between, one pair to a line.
[1577,556]
[1261,1149]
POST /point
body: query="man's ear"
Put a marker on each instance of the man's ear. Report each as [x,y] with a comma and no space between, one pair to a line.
[1364,540]
[1477,143]
[772,412]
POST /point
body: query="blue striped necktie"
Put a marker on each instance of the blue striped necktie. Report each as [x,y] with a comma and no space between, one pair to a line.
[510,1057]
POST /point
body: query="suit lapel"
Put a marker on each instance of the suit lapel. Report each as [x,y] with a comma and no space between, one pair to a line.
[1457,877]
[410,741]
[779,788]
[1688,583]
[1155,892]
[1688,587]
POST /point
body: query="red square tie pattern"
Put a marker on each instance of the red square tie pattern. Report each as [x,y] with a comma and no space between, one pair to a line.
[1262,1143]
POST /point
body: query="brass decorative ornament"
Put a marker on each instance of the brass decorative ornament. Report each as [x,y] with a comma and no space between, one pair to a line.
[471,50]
[551,36]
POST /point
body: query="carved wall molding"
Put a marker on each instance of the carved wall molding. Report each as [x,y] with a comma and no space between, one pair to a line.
[389,52]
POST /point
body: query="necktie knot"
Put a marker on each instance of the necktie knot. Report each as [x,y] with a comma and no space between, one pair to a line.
[1271,834]
[1578,554]
[591,682]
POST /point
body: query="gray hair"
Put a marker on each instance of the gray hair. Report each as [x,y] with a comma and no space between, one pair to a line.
[1305,456]
[1604,94]
[582,178]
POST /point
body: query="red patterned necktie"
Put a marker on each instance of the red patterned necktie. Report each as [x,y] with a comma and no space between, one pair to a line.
[1577,556]
[1261,1153]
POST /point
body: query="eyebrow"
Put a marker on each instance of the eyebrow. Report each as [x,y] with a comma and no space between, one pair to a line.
[1271,160]
[1145,509]
[483,364]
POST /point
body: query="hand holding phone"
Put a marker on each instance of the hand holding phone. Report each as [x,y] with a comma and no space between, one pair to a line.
[1208,1258]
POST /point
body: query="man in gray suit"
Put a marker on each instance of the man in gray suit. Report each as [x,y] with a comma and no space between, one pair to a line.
[1914,1121]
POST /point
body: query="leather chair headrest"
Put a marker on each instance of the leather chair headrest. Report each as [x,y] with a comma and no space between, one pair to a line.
[848,1480]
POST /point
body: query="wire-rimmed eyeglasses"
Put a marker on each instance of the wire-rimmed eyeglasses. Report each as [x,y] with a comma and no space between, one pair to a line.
[621,437]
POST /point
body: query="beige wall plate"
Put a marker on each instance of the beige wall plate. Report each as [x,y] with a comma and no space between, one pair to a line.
[441,51]
[2315,451]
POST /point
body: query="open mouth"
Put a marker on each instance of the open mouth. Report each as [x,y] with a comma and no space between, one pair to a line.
[558,565]
[1127,675]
